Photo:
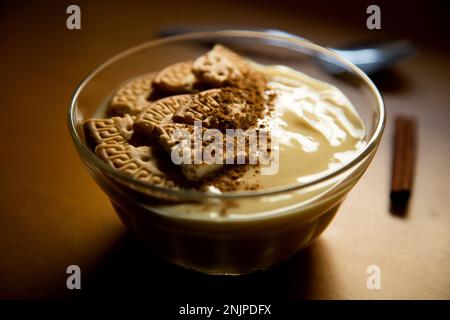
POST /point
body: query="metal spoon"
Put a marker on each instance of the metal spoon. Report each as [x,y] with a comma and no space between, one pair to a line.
[370,58]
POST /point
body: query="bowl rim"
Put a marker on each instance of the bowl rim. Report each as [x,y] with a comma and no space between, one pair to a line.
[88,155]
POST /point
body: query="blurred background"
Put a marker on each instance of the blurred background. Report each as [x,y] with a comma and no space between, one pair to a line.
[53,215]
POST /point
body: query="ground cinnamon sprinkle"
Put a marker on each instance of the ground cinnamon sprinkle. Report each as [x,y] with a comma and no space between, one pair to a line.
[240,105]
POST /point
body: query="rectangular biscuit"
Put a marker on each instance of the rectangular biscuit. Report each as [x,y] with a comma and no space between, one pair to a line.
[113,130]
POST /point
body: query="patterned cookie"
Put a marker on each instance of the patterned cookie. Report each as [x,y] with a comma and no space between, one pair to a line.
[155,122]
[115,130]
[197,107]
[179,139]
[138,162]
[176,78]
[159,112]
[169,134]
[132,97]
[225,108]
[220,66]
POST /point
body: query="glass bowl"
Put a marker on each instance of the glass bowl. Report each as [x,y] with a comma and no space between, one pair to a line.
[261,228]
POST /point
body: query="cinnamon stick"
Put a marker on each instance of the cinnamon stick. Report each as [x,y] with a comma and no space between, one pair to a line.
[404,160]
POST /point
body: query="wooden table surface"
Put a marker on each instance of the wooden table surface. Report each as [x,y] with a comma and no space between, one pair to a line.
[53,215]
